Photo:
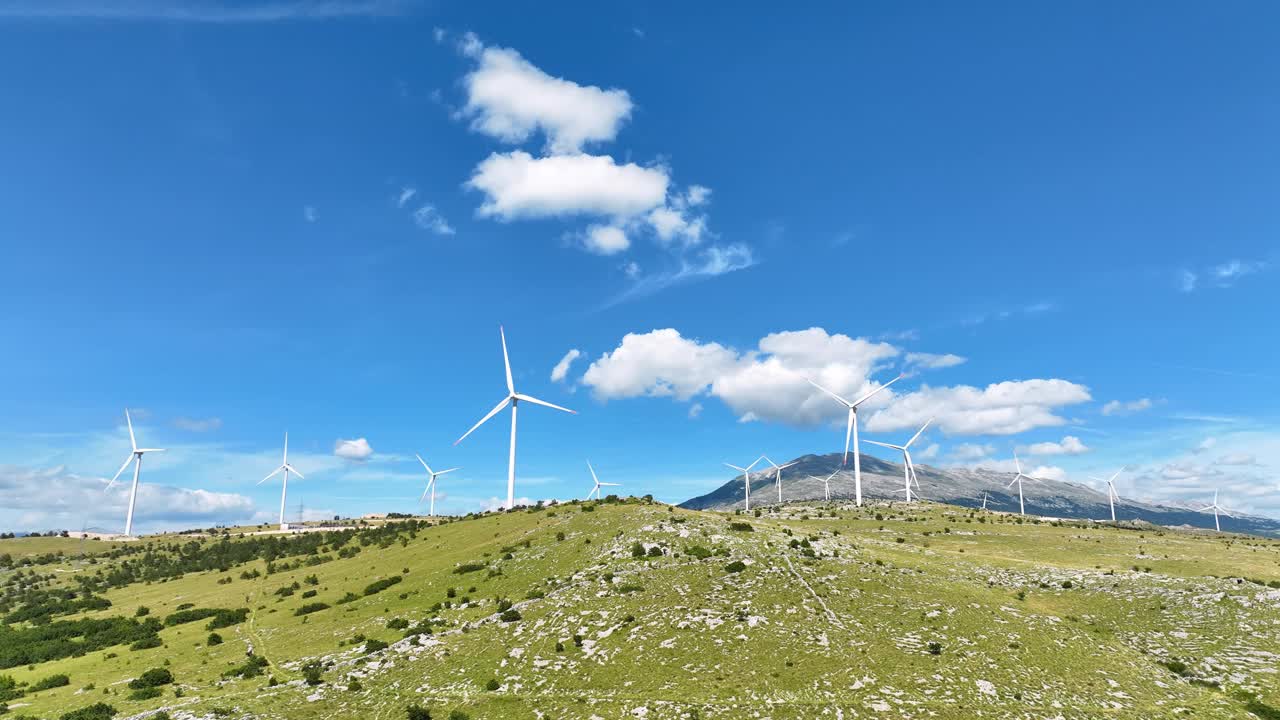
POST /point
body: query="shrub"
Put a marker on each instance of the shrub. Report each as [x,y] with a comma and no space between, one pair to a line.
[397,624]
[313,672]
[637,549]
[146,693]
[1176,666]
[935,648]
[311,608]
[214,639]
[560,535]
[226,618]
[1066,584]
[380,585]
[50,682]
[96,711]
[698,552]
[373,645]
[629,588]
[492,685]
[308,594]
[154,677]
[142,611]
[146,643]
[510,615]
[465,568]
[458,715]
[417,712]
[741,526]
[349,597]
[655,551]
[736,566]
[251,668]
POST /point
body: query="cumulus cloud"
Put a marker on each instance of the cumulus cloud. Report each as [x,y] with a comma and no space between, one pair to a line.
[930,452]
[930,361]
[1070,445]
[606,239]
[55,499]
[1238,459]
[510,99]
[561,369]
[1117,407]
[357,449]
[198,424]
[971,452]
[428,218]
[518,185]
[768,383]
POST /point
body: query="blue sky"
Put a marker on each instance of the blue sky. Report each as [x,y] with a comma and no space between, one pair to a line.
[246,218]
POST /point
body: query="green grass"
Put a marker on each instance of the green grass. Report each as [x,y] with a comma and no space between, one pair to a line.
[845,617]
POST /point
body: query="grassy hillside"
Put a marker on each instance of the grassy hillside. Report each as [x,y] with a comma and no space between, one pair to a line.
[641,610]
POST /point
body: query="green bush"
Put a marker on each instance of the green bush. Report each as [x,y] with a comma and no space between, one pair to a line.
[397,624]
[146,643]
[214,639]
[52,681]
[154,677]
[96,711]
[465,568]
[492,685]
[741,526]
[313,672]
[251,668]
[698,552]
[373,645]
[736,566]
[380,585]
[146,693]
[311,608]
[458,715]
[510,615]
[417,712]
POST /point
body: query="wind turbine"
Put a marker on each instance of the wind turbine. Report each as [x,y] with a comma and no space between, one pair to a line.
[599,484]
[136,458]
[1216,508]
[746,480]
[984,499]
[1022,510]
[431,484]
[777,475]
[286,468]
[851,431]
[908,468]
[514,398]
[826,483]
[1112,495]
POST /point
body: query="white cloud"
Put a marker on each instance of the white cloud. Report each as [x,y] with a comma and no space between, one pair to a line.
[1223,275]
[428,218]
[518,185]
[631,269]
[971,452]
[1205,444]
[1004,408]
[406,194]
[54,499]
[710,261]
[930,452]
[930,361]
[1116,407]
[1238,459]
[197,424]
[309,214]
[769,383]
[561,369]
[1070,445]
[510,99]
[606,239]
[357,449]
[200,11]
[1049,472]
[695,411]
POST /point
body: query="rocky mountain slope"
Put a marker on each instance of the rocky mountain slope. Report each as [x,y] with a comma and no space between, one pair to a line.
[883,480]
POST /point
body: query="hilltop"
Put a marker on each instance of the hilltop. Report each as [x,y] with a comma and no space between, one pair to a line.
[634,609]
[962,486]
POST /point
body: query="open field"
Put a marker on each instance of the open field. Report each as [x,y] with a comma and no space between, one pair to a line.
[641,610]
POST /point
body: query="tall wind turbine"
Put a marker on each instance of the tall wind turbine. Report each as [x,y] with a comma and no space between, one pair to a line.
[746,480]
[514,398]
[285,468]
[1112,495]
[908,468]
[1022,510]
[826,484]
[851,431]
[431,484]
[1216,508]
[599,484]
[136,458]
[777,475]
[984,499]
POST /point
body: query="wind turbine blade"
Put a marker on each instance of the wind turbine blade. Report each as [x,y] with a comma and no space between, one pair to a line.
[484,419]
[837,472]
[784,467]
[133,442]
[844,402]
[921,430]
[869,395]
[294,470]
[274,473]
[1113,477]
[147,450]
[735,467]
[442,472]
[875,442]
[1011,482]
[424,462]
[1017,463]
[117,475]
[506,361]
[612,484]
[536,401]
[593,472]
[286,449]
[425,490]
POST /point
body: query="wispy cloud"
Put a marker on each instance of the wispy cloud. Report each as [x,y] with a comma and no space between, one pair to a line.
[1222,275]
[206,11]
[198,424]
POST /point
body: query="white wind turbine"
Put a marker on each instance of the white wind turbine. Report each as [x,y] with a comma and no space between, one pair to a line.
[851,432]
[514,398]
[598,484]
[285,468]
[908,467]
[746,480]
[777,475]
[1022,510]
[826,483]
[1216,508]
[431,484]
[136,458]
[984,499]
[1112,495]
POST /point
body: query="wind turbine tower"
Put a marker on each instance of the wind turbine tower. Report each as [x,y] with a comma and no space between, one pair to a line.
[136,458]
[851,432]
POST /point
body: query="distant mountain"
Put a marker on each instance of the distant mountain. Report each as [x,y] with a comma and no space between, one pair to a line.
[883,481]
